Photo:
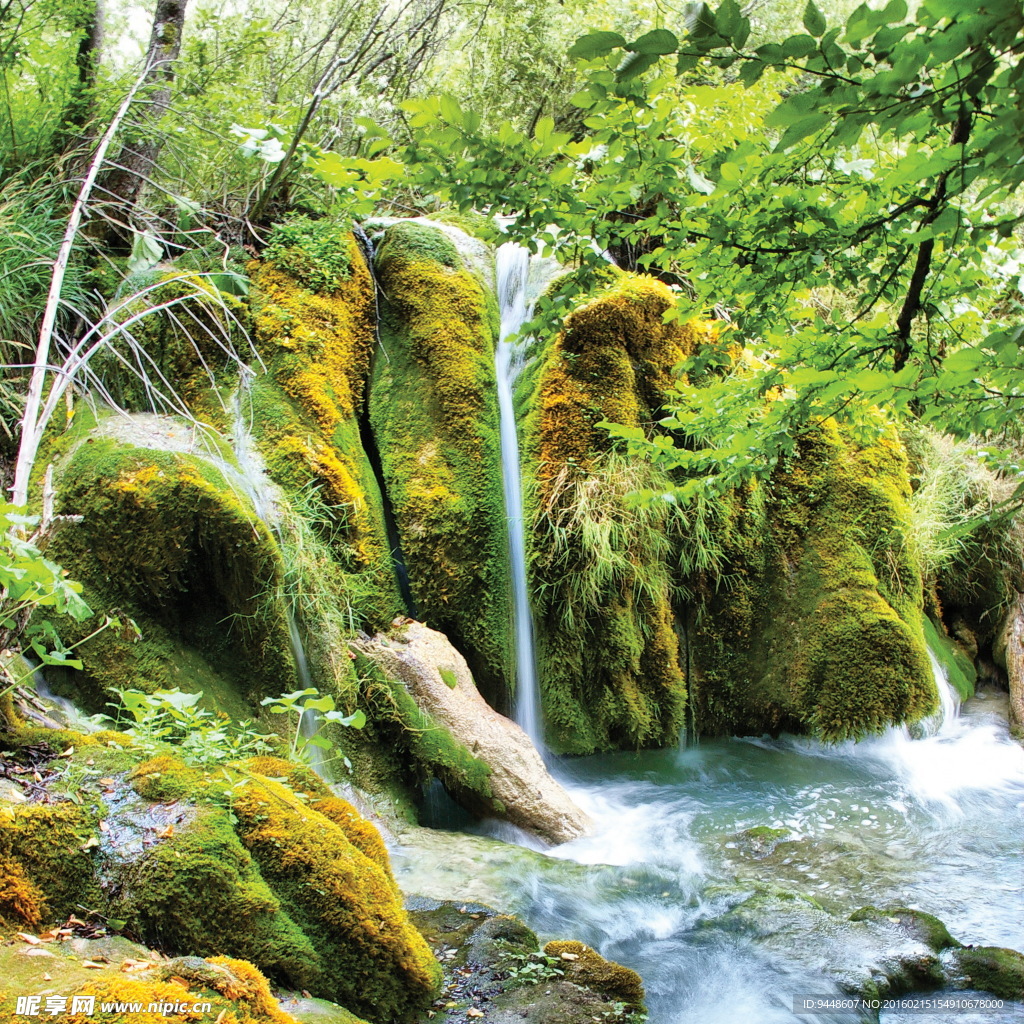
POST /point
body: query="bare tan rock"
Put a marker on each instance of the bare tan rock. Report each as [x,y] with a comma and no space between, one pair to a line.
[1009,653]
[438,679]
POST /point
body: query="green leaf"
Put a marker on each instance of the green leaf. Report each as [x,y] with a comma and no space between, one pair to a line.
[814,20]
[728,18]
[596,44]
[635,64]
[659,41]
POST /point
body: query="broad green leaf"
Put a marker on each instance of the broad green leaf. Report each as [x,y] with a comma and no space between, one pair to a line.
[596,44]
[658,41]
[814,20]
[635,64]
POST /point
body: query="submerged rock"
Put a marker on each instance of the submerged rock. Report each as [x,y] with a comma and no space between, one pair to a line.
[516,787]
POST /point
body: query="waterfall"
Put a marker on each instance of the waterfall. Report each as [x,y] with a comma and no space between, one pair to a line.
[261,491]
[513,271]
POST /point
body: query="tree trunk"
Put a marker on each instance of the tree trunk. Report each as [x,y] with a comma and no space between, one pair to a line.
[138,155]
[79,109]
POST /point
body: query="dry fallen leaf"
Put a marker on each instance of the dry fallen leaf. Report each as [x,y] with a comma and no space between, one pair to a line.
[104,827]
[47,977]
[68,752]
[474,1012]
[94,965]
[25,937]
[166,833]
[569,956]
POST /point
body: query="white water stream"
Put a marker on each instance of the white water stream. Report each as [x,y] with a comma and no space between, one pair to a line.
[262,492]
[933,822]
[519,280]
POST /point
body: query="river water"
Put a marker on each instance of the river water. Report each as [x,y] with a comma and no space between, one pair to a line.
[934,823]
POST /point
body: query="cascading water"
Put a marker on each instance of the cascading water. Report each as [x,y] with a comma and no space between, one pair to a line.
[684,837]
[513,271]
[258,487]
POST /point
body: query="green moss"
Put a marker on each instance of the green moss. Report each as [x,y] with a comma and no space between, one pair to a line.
[589,969]
[236,991]
[916,923]
[475,224]
[602,568]
[305,413]
[424,742]
[165,540]
[959,669]
[819,627]
[433,409]
[314,252]
[409,243]
[992,969]
[48,858]
[377,963]
[199,891]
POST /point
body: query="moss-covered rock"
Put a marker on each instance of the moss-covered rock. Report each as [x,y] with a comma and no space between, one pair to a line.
[434,413]
[226,862]
[189,988]
[167,539]
[819,627]
[374,961]
[916,924]
[991,969]
[199,890]
[48,862]
[585,966]
[609,659]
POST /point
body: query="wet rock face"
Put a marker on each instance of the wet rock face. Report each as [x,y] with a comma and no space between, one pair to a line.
[495,972]
[516,786]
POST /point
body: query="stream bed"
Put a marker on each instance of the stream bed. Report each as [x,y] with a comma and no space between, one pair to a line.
[685,836]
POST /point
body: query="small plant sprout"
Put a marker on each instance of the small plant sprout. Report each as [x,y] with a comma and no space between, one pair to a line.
[309,703]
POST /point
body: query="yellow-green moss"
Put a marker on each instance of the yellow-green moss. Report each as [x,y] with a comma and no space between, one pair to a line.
[434,413]
[305,411]
[376,962]
[236,992]
[47,863]
[198,891]
[359,832]
[585,966]
[610,664]
[819,629]
[21,900]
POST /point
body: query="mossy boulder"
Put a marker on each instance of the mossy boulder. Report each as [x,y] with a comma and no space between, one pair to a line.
[609,659]
[585,966]
[226,862]
[167,538]
[820,627]
[434,413]
[48,862]
[315,334]
[990,969]
[374,961]
[486,762]
[916,924]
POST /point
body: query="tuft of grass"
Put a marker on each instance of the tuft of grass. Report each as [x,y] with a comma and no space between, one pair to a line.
[620,528]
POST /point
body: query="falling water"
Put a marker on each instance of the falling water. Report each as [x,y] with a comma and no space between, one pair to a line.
[258,487]
[513,270]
